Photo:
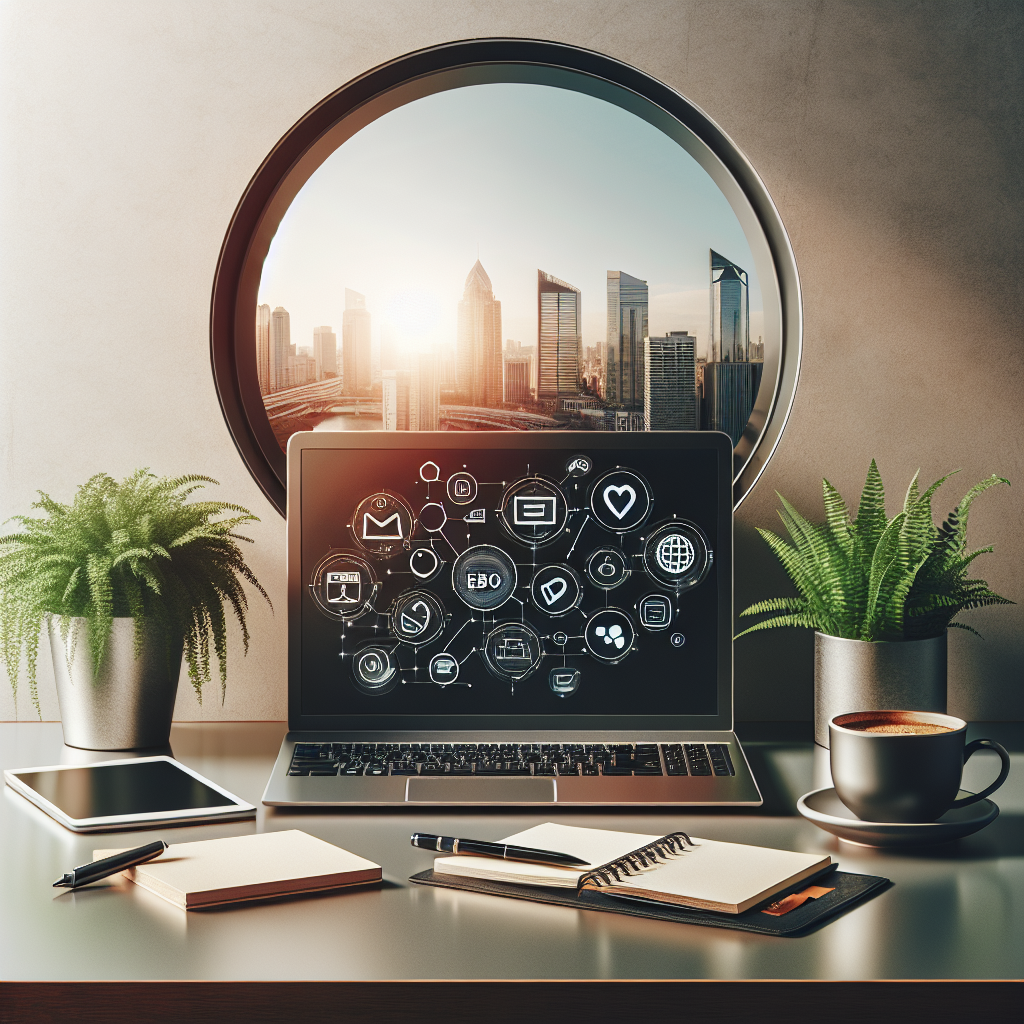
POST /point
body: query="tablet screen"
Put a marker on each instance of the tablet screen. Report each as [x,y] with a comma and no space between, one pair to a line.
[135,787]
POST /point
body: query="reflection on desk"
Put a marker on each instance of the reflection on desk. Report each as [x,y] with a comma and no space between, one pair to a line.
[954,911]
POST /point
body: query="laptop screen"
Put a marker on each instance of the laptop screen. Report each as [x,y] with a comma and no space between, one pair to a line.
[542,580]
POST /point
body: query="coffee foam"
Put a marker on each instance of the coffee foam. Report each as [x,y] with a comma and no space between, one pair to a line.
[898,728]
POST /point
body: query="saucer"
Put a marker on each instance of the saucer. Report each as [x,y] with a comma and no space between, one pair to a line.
[824,808]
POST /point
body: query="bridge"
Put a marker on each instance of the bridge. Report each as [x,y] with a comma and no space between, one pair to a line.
[470,417]
[320,399]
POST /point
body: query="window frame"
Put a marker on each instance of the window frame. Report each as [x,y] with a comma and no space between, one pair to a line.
[320,131]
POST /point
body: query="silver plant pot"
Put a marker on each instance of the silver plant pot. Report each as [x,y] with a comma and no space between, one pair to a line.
[859,675]
[128,704]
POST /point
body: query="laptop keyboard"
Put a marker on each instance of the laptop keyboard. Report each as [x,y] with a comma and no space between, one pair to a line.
[511,759]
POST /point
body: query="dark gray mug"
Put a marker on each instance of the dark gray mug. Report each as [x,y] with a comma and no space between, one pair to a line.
[890,776]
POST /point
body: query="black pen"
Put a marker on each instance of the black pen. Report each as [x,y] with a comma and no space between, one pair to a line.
[98,869]
[481,848]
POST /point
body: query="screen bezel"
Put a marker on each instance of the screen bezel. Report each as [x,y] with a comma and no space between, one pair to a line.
[568,441]
[114,822]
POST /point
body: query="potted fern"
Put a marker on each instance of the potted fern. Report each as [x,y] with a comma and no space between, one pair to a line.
[880,594]
[127,580]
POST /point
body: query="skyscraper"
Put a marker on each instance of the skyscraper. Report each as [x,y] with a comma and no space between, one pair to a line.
[325,352]
[478,342]
[518,373]
[670,389]
[263,347]
[394,393]
[280,348]
[627,328]
[355,340]
[730,379]
[730,390]
[730,311]
[559,337]
[411,398]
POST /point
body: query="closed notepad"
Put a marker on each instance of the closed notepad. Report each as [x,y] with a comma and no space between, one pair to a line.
[204,874]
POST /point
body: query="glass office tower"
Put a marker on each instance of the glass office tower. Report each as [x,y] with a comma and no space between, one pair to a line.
[627,329]
[263,347]
[730,311]
[478,367]
[355,344]
[559,337]
[280,348]
[670,385]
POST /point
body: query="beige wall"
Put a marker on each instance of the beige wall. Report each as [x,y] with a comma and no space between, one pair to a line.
[887,133]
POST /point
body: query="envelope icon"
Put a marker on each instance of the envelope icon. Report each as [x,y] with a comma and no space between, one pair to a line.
[382,529]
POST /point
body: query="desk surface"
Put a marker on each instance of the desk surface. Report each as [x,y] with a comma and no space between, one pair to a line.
[954,912]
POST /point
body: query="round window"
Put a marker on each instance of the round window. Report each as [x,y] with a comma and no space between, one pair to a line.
[505,235]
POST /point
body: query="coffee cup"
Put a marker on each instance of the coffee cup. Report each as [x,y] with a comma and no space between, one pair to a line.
[904,766]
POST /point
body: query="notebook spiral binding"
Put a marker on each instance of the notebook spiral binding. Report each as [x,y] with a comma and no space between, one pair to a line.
[650,856]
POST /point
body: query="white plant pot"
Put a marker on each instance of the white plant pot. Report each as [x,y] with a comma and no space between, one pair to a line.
[129,703]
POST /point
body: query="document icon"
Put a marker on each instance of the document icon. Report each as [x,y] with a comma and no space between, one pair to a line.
[343,587]
[389,528]
[534,510]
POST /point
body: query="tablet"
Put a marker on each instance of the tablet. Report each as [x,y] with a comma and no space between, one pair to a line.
[113,796]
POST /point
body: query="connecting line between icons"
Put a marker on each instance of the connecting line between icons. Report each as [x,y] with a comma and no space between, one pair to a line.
[449,543]
[458,631]
[472,650]
[576,541]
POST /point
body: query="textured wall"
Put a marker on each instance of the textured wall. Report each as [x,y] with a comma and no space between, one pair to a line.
[888,133]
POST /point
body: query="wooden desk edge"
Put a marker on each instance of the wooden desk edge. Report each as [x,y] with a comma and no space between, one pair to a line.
[501,1001]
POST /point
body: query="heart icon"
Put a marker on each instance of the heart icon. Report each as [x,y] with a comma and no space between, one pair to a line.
[619,507]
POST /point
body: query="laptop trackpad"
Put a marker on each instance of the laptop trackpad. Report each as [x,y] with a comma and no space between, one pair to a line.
[480,791]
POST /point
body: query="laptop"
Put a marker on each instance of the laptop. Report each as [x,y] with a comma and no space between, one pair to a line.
[520,618]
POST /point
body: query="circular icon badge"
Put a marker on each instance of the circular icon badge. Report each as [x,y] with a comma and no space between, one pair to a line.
[676,554]
[374,670]
[579,465]
[424,563]
[462,488]
[512,651]
[444,669]
[484,577]
[417,617]
[609,635]
[655,611]
[383,524]
[556,589]
[433,517]
[607,568]
[343,586]
[564,681]
[620,500]
[534,511]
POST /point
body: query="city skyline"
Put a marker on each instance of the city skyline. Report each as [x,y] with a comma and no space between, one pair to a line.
[402,231]
[642,382]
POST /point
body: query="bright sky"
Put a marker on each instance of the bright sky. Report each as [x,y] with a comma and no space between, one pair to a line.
[531,177]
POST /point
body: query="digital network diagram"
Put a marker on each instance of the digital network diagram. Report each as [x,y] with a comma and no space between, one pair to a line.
[489,579]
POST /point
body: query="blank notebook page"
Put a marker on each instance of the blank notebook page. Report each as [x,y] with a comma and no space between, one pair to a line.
[725,873]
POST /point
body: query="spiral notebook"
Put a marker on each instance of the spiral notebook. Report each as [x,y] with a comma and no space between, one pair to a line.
[677,877]
[677,869]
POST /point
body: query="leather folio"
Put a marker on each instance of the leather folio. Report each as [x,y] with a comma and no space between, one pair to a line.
[847,889]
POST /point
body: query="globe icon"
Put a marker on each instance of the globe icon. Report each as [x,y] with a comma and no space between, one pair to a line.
[674,553]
